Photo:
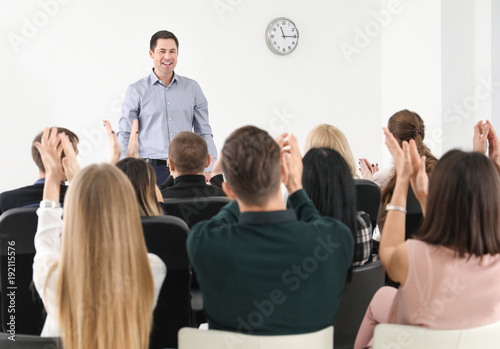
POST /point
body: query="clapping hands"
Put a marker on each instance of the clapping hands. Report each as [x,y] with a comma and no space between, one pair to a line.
[410,166]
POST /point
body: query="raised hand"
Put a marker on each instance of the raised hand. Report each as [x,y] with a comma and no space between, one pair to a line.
[133,142]
[480,139]
[113,143]
[402,159]
[69,162]
[293,163]
[367,170]
[419,181]
[50,149]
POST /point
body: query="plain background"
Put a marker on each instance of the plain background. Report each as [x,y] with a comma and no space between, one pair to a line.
[68,63]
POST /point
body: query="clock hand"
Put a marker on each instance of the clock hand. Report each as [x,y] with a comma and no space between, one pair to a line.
[282,32]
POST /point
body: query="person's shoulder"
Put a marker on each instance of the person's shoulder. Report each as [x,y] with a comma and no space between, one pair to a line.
[187,81]
[141,83]
[19,197]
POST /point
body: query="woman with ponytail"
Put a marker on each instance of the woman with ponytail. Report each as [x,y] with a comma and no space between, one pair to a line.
[405,125]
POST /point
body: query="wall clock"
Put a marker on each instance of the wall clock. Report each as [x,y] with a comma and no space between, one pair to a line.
[282,36]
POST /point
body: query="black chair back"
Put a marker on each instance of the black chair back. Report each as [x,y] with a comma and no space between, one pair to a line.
[17,249]
[166,237]
[26,341]
[414,215]
[368,196]
[366,280]
[194,210]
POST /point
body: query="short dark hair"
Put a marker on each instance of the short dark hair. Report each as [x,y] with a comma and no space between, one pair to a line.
[189,152]
[162,34]
[35,154]
[328,181]
[463,205]
[251,162]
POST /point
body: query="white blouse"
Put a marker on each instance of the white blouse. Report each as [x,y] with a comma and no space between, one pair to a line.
[48,247]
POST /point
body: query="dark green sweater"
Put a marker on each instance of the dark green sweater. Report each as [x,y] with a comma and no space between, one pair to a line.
[278,272]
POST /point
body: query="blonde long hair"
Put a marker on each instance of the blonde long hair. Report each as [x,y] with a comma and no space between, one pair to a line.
[105,287]
[328,136]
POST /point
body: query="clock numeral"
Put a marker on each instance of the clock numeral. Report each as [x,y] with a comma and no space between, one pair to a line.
[272,36]
[293,29]
[293,42]
[274,42]
[284,49]
[283,23]
[289,48]
[274,29]
[278,47]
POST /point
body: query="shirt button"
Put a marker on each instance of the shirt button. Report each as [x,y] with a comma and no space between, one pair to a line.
[171,134]
[168,103]
[170,118]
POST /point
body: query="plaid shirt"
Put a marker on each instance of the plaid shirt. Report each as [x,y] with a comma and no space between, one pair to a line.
[363,240]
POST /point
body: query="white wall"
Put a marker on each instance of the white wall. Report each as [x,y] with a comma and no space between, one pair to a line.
[411,66]
[356,64]
[73,70]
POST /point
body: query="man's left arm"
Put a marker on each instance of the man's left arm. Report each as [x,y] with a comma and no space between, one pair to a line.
[201,124]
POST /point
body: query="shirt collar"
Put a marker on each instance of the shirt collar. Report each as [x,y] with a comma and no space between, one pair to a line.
[40,181]
[154,79]
[190,179]
[267,217]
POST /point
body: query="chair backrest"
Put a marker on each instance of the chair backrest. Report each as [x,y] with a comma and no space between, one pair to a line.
[194,210]
[191,338]
[368,196]
[414,216]
[366,280]
[17,249]
[388,336]
[166,237]
[26,341]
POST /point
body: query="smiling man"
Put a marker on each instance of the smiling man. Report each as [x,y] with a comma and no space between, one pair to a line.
[165,104]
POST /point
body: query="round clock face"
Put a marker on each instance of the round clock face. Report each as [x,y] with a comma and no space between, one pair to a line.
[282,36]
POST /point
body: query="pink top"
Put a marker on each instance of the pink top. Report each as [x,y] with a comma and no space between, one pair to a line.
[443,291]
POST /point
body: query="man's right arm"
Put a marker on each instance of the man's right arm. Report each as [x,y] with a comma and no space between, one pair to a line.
[130,112]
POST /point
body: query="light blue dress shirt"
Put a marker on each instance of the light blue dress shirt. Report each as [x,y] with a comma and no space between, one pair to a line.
[163,111]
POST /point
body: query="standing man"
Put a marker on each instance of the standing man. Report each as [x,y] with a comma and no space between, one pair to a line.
[165,104]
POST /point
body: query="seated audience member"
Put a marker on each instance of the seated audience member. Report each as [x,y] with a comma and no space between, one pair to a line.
[263,269]
[456,256]
[328,136]
[187,159]
[31,195]
[94,275]
[404,125]
[328,181]
[143,179]
[138,171]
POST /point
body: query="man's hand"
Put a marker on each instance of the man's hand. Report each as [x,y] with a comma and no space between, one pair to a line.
[116,150]
[293,164]
[217,169]
[50,149]
[69,162]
